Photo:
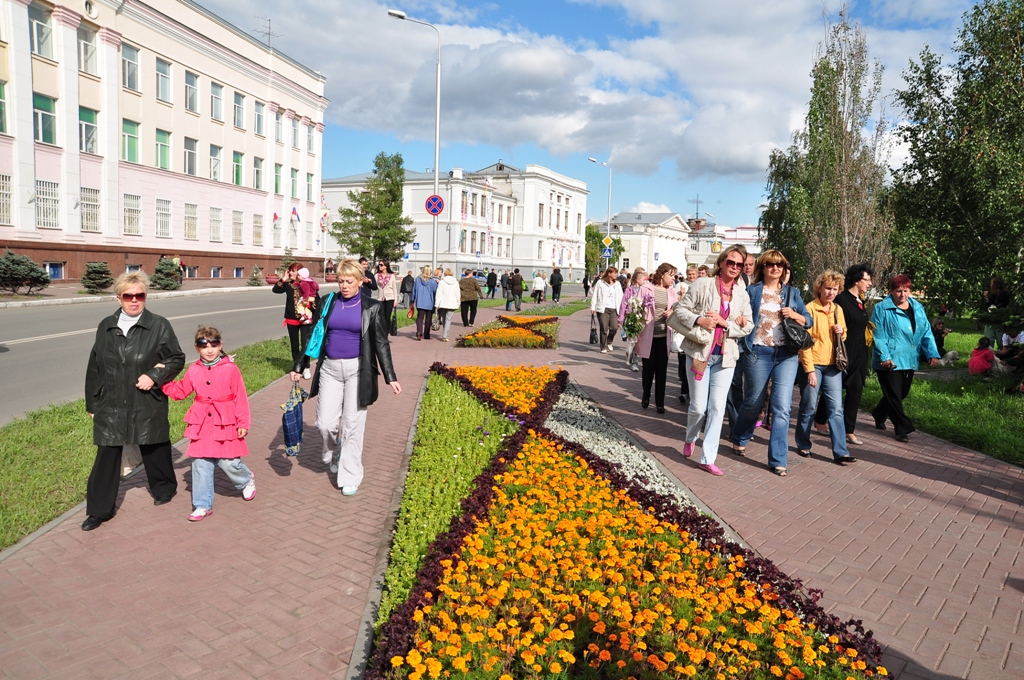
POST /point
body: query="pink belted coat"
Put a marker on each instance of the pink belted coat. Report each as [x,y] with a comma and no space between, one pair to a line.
[220,408]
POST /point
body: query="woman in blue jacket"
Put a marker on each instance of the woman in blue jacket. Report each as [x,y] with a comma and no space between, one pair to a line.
[423,290]
[766,357]
[902,336]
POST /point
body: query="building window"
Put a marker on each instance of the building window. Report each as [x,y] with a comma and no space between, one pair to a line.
[499,247]
[236,226]
[215,223]
[540,215]
[47,205]
[472,242]
[86,50]
[40,31]
[295,183]
[625,263]
[44,119]
[295,133]
[132,215]
[239,110]
[508,247]
[163,218]
[129,67]
[309,234]
[278,127]
[215,272]
[472,205]
[277,178]
[257,123]
[239,272]
[163,149]
[579,222]
[309,186]
[87,142]
[191,221]
[215,162]
[192,92]
[191,271]
[501,213]
[257,173]
[5,199]
[237,174]
[90,210]
[257,230]
[540,249]
[216,101]
[163,80]
[3,108]
[558,218]
[191,155]
[694,245]
[309,138]
[129,141]
[55,270]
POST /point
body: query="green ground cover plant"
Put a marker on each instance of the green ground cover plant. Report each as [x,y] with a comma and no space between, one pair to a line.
[456,436]
[557,308]
[46,456]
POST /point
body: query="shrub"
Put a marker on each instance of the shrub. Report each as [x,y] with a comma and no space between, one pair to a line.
[19,271]
[256,277]
[286,261]
[166,275]
[97,277]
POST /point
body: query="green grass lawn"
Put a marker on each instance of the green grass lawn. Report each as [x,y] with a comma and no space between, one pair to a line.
[46,456]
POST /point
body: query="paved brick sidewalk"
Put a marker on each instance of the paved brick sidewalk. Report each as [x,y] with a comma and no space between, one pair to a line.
[919,540]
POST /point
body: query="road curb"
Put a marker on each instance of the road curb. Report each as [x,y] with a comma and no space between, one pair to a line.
[86,299]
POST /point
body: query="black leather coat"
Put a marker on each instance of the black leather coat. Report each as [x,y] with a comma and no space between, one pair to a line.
[122,413]
[374,351]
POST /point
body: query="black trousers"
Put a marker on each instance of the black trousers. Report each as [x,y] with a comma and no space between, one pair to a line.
[491,292]
[853,384]
[299,336]
[388,310]
[468,309]
[684,388]
[556,292]
[895,388]
[656,371]
[105,478]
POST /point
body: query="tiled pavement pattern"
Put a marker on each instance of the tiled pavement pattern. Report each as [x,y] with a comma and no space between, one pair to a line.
[922,541]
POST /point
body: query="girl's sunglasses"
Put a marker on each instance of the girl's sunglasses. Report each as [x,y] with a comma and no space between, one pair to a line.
[203,342]
[131,297]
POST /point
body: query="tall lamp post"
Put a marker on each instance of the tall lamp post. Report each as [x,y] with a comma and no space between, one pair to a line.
[608,222]
[399,14]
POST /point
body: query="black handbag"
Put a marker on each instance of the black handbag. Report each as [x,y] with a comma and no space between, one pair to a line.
[593,330]
[842,359]
[394,324]
[797,337]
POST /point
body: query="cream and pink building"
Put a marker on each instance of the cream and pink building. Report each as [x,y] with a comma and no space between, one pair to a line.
[132,130]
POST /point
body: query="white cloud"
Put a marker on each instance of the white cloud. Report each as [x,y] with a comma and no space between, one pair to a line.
[712,87]
[644,207]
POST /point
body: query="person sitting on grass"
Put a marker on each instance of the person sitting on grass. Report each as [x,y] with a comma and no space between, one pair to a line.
[983,360]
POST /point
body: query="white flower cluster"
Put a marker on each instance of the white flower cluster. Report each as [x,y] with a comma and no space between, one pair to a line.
[576,419]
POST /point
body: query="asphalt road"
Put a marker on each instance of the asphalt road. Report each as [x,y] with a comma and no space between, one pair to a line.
[44,350]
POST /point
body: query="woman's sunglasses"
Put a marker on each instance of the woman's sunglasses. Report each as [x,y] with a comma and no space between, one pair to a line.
[132,297]
[203,342]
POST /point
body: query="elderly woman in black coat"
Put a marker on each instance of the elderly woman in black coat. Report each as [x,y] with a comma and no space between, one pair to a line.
[135,354]
[355,343]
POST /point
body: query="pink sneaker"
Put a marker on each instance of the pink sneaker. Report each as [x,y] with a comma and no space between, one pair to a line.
[713,469]
[199,514]
[688,449]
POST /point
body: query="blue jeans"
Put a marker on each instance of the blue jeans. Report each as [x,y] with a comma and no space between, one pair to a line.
[830,385]
[760,365]
[202,478]
[707,405]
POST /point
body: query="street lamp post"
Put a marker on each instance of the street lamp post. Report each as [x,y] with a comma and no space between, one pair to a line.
[399,14]
[608,222]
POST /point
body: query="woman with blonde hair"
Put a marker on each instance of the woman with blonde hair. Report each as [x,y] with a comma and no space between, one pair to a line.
[424,289]
[818,364]
[638,279]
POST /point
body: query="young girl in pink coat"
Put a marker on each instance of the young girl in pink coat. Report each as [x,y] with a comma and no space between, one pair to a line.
[216,423]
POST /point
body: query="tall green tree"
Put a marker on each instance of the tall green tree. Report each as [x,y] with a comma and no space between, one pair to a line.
[374,225]
[594,235]
[824,207]
[959,198]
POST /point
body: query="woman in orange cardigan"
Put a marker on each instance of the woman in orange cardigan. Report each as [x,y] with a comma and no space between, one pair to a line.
[818,364]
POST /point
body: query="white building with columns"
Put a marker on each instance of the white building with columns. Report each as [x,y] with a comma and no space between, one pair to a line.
[130,130]
[649,239]
[500,216]
[708,239]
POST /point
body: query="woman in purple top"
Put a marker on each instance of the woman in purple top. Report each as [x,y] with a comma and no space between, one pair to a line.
[355,344]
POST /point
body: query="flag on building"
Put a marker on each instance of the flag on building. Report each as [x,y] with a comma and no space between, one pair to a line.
[295,214]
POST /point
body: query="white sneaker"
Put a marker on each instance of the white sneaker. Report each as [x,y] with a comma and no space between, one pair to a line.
[249,490]
[634,368]
[305,374]
[349,490]
[327,457]
[333,468]
[604,350]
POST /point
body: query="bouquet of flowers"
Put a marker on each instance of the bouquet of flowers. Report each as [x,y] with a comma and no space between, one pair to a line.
[635,318]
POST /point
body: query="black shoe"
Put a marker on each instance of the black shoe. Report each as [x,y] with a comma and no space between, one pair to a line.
[661,409]
[91,523]
[902,438]
[804,453]
[684,399]
[879,424]
[844,459]
[163,500]
[645,402]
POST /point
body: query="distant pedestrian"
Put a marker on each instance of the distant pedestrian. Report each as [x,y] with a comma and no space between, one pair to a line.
[469,294]
[586,284]
[492,283]
[447,301]
[216,423]
[504,283]
[556,285]
[539,284]
[298,332]
[369,280]
[604,304]
[515,283]
[387,284]
[406,288]
[423,293]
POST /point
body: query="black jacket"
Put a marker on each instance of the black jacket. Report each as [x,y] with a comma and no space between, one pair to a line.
[374,350]
[289,289]
[516,282]
[122,413]
[856,322]
[407,284]
[492,279]
[555,279]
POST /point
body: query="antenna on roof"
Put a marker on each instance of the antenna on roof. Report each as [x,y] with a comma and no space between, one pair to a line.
[265,31]
[697,201]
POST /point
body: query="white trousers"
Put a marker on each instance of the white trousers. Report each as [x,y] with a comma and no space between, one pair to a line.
[337,410]
[707,405]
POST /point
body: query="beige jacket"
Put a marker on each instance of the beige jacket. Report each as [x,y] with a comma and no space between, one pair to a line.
[702,296]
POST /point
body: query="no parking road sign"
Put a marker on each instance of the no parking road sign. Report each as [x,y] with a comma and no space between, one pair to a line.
[435,205]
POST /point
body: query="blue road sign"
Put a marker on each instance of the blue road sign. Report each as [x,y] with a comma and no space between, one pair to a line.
[407,256]
[435,204]
[415,245]
[607,252]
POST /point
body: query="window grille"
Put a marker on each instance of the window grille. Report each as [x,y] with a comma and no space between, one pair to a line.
[90,204]
[5,199]
[47,205]
[163,217]
[132,215]
[236,226]
[191,221]
[257,230]
[215,224]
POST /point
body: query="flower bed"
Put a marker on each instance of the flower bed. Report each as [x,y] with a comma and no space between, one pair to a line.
[509,331]
[562,565]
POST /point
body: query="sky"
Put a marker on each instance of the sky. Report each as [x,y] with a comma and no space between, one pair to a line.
[683,98]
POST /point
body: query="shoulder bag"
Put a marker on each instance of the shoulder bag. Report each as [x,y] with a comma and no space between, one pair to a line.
[842,359]
[695,333]
[593,329]
[316,338]
[797,337]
